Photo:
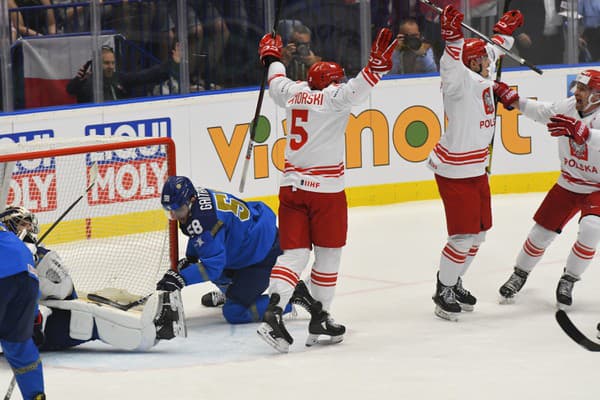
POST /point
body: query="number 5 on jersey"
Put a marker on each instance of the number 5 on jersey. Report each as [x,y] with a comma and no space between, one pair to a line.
[298,135]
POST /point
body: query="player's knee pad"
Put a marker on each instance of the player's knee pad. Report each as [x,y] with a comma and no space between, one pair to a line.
[294,259]
[327,259]
[479,238]
[462,243]
[291,262]
[237,313]
[589,231]
[541,237]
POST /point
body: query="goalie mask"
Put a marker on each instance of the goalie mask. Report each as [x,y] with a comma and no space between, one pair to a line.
[21,221]
[324,73]
[176,197]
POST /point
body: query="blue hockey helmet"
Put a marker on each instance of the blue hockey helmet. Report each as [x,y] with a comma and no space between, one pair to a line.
[177,192]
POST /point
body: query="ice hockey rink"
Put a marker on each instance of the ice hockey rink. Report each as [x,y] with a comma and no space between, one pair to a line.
[395,347]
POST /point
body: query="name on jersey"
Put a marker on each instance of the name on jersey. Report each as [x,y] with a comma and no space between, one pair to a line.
[307,98]
[204,199]
[571,163]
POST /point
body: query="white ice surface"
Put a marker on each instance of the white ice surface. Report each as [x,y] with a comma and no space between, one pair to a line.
[395,348]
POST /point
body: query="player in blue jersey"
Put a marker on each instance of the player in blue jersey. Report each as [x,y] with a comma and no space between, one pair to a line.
[65,320]
[19,292]
[232,243]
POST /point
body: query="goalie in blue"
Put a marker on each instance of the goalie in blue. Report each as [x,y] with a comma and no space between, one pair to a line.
[232,243]
[64,320]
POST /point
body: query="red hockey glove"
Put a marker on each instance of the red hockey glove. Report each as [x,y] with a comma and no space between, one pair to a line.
[562,125]
[269,49]
[450,21]
[505,94]
[510,21]
[380,59]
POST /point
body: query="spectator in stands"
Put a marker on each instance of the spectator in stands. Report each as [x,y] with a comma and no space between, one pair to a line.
[540,41]
[590,10]
[35,21]
[413,55]
[119,85]
[204,20]
[298,56]
[589,45]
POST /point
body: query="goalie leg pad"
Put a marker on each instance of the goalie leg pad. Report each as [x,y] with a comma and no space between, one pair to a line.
[123,329]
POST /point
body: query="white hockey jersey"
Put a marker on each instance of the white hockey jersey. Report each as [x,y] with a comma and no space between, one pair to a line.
[579,164]
[462,151]
[316,124]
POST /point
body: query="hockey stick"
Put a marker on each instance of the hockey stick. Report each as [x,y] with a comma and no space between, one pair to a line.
[261,95]
[488,169]
[11,387]
[571,330]
[516,58]
[93,176]
[121,306]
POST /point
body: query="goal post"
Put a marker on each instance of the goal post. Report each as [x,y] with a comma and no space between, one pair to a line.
[118,235]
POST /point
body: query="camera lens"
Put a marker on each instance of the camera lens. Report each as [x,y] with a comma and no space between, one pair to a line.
[413,42]
[302,49]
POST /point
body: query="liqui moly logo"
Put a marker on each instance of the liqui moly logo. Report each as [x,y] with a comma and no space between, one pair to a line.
[129,174]
[33,183]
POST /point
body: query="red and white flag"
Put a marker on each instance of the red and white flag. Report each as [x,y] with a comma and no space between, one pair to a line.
[50,62]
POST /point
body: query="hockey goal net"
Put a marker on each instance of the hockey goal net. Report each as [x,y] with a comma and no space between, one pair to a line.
[116,235]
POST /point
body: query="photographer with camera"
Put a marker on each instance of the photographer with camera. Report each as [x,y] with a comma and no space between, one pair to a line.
[119,85]
[298,56]
[413,55]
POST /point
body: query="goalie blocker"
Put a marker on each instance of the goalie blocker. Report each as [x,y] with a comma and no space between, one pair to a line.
[72,322]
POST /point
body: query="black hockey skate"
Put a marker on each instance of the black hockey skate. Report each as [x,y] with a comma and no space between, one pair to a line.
[321,323]
[170,320]
[213,299]
[446,306]
[272,329]
[302,296]
[513,285]
[564,291]
[465,299]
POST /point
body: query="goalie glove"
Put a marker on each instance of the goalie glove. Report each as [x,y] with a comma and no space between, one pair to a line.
[505,94]
[450,21]
[562,125]
[380,59]
[170,282]
[510,21]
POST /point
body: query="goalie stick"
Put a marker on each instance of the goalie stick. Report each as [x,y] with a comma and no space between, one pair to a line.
[121,306]
[92,179]
[574,333]
[261,95]
[516,58]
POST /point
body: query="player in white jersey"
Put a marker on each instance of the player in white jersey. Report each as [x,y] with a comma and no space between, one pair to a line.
[576,123]
[459,159]
[313,208]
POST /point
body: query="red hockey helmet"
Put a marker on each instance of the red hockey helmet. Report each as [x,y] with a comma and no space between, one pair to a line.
[321,74]
[472,50]
[589,78]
